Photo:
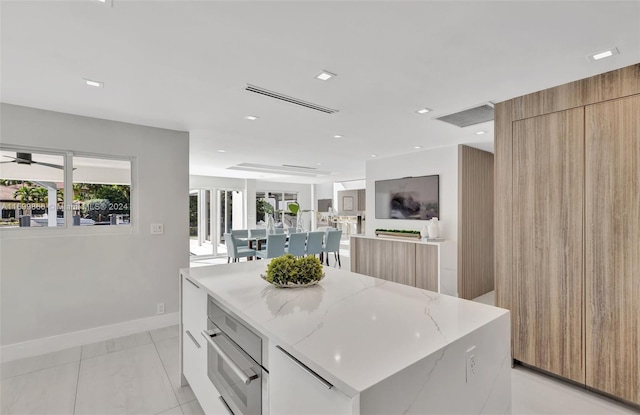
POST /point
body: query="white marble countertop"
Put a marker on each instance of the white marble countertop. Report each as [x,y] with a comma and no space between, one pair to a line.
[352,329]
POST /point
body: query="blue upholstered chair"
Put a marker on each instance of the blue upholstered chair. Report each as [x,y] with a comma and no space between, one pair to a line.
[332,244]
[297,244]
[241,236]
[314,243]
[275,246]
[234,251]
[257,233]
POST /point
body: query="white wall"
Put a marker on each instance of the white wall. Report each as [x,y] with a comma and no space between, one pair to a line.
[441,161]
[58,281]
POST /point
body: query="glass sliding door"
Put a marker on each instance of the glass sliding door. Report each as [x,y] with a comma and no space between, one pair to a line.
[200,204]
[230,216]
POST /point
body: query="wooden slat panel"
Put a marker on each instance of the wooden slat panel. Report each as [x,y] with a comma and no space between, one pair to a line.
[607,86]
[548,170]
[427,267]
[385,259]
[475,222]
[613,247]
[503,204]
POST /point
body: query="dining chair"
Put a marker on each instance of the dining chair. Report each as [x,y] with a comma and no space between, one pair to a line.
[257,233]
[297,243]
[234,250]
[314,243]
[241,236]
[275,246]
[332,244]
[291,230]
[279,231]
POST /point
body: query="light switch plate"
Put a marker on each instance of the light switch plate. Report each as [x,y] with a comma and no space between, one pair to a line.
[157,229]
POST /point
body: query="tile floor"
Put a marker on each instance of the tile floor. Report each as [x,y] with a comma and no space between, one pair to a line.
[137,374]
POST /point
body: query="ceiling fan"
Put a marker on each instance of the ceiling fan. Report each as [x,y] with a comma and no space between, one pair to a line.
[26,158]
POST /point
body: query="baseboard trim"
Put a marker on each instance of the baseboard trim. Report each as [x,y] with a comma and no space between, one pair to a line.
[78,338]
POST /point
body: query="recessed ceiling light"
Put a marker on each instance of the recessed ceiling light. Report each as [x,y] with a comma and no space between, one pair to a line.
[480,132]
[338,136]
[96,84]
[319,164]
[417,147]
[374,155]
[325,75]
[251,117]
[222,151]
[603,54]
[424,110]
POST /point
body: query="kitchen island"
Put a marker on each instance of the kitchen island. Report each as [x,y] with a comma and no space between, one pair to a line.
[360,345]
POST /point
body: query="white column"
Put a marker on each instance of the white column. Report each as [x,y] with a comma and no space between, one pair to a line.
[250,203]
[52,213]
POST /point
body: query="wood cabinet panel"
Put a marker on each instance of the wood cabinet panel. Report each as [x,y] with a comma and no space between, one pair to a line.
[548,181]
[427,265]
[475,222]
[613,247]
[607,86]
[503,205]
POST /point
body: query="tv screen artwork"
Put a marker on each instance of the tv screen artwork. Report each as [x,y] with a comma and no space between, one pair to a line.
[408,198]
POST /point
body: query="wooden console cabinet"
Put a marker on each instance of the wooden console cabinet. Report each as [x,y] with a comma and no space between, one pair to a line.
[410,262]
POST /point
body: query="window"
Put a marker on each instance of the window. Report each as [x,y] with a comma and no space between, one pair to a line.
[276,203]
[33,192]
[101,191]
[31,189]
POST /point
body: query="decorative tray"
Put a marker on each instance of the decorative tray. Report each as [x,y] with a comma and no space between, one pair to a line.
[293,284]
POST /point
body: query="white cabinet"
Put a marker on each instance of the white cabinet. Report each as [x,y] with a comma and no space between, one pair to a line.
[194,348]
[296,390]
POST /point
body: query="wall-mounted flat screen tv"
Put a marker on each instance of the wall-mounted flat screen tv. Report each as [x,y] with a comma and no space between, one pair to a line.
[408,198]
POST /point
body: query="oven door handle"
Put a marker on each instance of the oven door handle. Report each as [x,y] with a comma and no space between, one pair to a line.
[244,378]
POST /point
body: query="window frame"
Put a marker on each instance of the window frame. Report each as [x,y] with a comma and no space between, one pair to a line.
[68,229]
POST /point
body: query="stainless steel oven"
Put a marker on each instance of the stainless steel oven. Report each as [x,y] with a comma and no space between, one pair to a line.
[234,360]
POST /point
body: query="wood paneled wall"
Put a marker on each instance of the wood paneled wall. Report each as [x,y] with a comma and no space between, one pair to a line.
[548,178]
[613,247]
[475,222]
[409,263]
[610,230]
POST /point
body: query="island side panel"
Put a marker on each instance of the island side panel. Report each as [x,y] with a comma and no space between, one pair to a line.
[438,383]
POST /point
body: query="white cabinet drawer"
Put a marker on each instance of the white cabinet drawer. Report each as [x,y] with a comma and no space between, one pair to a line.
[194,307]
[295,390]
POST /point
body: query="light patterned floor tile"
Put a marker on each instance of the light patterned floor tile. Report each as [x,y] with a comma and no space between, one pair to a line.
[170,355]
[192,408]
[173,411]
[47,391]
[165,333]
[535,393]
[131,381]
[115,345]
[32,364]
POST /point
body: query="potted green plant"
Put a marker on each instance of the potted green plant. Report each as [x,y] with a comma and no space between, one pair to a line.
[287,271]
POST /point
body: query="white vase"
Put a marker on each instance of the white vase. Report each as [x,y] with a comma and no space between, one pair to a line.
[271,228]
[424,233]
[434,229]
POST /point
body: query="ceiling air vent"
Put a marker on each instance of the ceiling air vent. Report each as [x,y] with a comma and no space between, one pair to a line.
[469,117]
[284,170]
[282,97]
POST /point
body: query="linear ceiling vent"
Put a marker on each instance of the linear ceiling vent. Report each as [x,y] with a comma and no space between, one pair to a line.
[285,170]
[469,117]
[282,97]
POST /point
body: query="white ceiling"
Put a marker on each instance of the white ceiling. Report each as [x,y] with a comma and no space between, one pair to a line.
[184,65]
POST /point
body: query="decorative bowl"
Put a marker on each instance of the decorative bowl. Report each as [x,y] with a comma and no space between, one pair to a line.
[293,284]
